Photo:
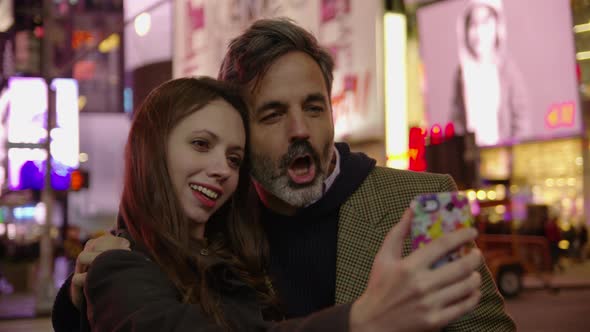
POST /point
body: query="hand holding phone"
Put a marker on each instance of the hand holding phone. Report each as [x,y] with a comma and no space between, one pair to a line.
[437,214]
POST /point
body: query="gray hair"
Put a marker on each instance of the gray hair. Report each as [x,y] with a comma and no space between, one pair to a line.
[250,55]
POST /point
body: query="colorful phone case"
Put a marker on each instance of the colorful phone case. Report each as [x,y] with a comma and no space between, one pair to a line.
[437,214]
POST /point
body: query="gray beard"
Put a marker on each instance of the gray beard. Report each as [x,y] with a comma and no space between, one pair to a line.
[281,186]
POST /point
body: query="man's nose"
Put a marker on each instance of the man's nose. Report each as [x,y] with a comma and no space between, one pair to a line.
[298,127]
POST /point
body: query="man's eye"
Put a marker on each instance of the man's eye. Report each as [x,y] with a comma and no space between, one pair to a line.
[200,144]
[315,109]
[271,116]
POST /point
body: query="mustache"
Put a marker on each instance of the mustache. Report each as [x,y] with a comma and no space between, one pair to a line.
[297,149]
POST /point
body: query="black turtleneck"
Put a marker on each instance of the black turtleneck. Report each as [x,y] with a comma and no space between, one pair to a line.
[303,246]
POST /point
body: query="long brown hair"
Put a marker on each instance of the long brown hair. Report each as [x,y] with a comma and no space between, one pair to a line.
[154,217]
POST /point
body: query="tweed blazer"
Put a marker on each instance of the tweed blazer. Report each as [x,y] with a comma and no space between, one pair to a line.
[369,214]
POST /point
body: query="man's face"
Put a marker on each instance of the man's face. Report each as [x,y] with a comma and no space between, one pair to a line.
[292,133]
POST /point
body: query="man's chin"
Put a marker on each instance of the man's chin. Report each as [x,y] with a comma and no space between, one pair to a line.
[300,195]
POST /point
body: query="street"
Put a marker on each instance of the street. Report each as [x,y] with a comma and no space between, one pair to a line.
[546,311]
[533,311]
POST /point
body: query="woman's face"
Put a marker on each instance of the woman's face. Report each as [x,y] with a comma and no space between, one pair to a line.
[482,32]
[205,151]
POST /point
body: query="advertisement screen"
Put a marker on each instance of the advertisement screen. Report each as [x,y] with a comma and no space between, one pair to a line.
[504,70]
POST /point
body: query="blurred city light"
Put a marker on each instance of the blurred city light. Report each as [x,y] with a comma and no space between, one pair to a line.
[583,55]
[143,24]
[582,27]
[564,244]
[396,103]
[110,43]
[39,213]
[481,195]
[83,157]
[82,100]
[491,195]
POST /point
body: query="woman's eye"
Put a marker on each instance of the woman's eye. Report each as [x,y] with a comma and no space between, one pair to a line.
[200,144]
[235,162]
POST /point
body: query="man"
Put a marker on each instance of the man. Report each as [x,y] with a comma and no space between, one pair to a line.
[328,213]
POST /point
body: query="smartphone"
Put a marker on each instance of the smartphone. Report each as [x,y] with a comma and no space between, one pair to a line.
[437,214]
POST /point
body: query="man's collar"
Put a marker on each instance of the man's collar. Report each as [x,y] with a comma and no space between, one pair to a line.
[329,181]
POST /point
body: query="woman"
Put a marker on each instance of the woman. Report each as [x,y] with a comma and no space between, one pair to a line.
[197,251]
[490,97]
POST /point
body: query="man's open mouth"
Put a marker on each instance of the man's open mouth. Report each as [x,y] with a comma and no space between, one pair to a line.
[302,170]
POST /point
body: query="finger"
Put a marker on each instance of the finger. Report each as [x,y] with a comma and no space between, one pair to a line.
[454,311]
[435,250]
[89,244]
[457,270]
[78,279]
[393,242]
[111,242]
[86,258]
[456,292]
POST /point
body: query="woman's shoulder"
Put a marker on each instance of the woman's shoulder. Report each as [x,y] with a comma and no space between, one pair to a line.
[118,262]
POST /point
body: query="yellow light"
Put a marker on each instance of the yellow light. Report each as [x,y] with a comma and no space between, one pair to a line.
[564,244]
[500,209]
[582,27]
[513,189]
[565,226]
[82,102]
[481,195]
[83,157]
[396,103]
[143,24]
[549,182]
[500,192]
[494,219]
[560,182]
[491,195]
[583,55]
[471,195]
[110,43]
[571,182]
[579,161]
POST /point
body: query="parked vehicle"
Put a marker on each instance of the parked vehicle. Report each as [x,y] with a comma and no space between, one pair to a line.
[510,257]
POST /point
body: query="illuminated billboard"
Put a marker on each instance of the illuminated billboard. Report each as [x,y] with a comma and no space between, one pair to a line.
[504,70]
[26,128]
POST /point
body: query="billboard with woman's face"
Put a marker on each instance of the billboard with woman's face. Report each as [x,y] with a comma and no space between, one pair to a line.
[504,70]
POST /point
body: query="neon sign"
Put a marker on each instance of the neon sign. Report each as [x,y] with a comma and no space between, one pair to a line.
[561,115]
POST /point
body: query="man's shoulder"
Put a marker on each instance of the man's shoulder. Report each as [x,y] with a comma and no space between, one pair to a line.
[385,175]
[387,186]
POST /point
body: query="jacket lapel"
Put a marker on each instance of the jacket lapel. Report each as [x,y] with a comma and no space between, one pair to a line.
[364,221]
[359,240]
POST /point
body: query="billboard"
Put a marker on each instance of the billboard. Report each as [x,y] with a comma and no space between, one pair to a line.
[501,69]
[26,132]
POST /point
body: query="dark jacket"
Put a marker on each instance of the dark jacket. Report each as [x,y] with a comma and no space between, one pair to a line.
[127,291]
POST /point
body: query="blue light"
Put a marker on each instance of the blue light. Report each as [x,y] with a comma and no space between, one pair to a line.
[128,100]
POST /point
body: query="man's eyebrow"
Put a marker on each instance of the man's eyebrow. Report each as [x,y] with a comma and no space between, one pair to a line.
[315,97]
[269,105]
